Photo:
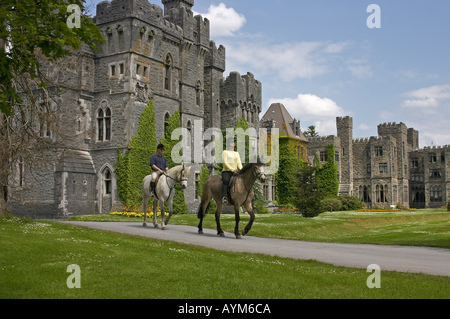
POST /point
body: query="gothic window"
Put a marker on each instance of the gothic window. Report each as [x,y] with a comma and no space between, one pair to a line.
[107,181]
[414,162]
[198,94]
[189,128]
[104,125]
[168,72]
[323,156]
[108,124]
[381,194]
[166,124]
[197,185]
[44,122]
[100,120]
[366,195]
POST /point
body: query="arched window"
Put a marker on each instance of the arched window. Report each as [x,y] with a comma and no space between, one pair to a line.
[168,65]
[198,94]
[104,125]
[100,120]
[189,128]
[108,124]
[166,125]
[107,181]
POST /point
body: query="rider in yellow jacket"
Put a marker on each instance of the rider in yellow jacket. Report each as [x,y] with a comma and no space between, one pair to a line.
[231,165]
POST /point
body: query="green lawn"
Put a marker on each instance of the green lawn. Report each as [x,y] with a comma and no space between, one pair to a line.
[428,227]
[34,257]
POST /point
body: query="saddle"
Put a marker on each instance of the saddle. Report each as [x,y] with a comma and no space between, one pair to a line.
[155,184]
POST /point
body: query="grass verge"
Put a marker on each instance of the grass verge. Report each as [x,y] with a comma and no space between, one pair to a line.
[35,255]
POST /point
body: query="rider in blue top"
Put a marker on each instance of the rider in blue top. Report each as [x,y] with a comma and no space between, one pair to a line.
[159,166]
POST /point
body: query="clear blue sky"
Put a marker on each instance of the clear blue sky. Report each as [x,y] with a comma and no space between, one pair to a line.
[320,59]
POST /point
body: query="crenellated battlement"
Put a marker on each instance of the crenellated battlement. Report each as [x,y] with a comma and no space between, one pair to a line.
[443,147]
[318,139]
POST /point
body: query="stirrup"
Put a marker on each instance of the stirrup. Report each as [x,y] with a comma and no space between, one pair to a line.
[224,200]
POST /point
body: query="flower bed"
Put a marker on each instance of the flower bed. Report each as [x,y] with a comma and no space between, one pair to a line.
[134,212]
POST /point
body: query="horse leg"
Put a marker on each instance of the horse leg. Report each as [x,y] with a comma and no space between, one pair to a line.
[155,209]
[203,208]
[163,226]
[145,202]
[237,217]
[218,212]
[249,209]
[170,205]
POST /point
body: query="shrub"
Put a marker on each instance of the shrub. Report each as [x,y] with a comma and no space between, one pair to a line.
[331,201]
[308,197]
[351,203]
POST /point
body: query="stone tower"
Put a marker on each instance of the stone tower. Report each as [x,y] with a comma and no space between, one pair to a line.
[345,134]
[177,4]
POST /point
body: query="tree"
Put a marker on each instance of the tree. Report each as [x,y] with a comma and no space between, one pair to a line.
[327,174]
[29,28]
[311,132]
[307,196]
[34,37]
[132,168]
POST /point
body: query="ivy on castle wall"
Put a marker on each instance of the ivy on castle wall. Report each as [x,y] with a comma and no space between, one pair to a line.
[328,183]
[290,164]
[132,167]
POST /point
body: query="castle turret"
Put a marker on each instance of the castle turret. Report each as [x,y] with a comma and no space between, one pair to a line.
[176,4]
[345,133]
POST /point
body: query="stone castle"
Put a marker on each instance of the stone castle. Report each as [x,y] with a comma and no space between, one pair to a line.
[163,54]
[389,169]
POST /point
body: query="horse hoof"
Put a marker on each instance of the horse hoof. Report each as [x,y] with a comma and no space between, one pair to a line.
[200,232]
[238,237]
[156,225]
[164,228]
[145,224]
[222,235]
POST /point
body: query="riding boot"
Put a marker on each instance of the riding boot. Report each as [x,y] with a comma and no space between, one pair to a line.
[224,194]
[152,188]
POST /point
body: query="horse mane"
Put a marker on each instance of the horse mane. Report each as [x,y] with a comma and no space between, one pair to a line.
[250,165]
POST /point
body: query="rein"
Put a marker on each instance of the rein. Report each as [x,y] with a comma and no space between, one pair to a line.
[175,180]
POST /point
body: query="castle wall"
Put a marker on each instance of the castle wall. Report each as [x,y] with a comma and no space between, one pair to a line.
[149,53]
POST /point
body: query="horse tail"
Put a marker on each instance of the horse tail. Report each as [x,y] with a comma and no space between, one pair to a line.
[201,213]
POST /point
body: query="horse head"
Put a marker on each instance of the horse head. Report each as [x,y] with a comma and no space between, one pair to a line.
[184,176]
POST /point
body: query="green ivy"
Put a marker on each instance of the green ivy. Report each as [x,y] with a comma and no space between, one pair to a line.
[290,165]
[327,174]
[135,165]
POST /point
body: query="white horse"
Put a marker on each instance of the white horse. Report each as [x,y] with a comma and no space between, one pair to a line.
[164,192]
